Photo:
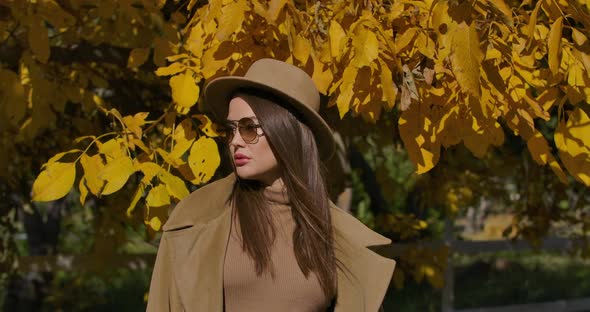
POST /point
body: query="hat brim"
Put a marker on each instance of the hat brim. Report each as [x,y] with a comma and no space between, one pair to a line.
[218,93]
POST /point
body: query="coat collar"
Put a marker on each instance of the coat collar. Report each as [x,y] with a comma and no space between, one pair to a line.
[198,230]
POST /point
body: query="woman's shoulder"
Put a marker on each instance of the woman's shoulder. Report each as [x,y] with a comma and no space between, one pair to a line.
[202,205]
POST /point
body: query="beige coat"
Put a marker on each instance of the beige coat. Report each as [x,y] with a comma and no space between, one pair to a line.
[188,274]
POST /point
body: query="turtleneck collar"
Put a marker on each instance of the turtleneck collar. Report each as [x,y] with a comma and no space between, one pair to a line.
[277,192]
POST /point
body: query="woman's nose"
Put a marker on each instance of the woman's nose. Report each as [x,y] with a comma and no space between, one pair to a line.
[237,138]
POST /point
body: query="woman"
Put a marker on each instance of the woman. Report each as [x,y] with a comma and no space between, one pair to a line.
[266,237]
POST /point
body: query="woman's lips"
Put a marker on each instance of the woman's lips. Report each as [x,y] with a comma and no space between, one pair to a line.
[241,159]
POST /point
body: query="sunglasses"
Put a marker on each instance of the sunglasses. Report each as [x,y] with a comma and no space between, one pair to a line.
[247,127]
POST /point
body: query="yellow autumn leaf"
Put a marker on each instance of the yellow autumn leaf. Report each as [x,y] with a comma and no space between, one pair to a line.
[149,170]
[185,91]
[414,129]
[346,90]
[138,57]
[301,48]
[576,75]
[554,45]
[210,64]
[184,131]
[474,136]
[425,45]
[171,69]
[322,78]
[493,54]
[573,142]
[533,21]
[579,37]
[174,161]
[184,136]
[404,39]
[54,182]
[158,196]
[195,40]
[177,57]
[338,40]
[59,156]
[83,191]
[116,173]
[366,47]
[175,186]
[180,147]
[203,160]
[231,19]
[447,131]
[39,40]
[136,197]
[112,149]
[92,166]
[155,223]
[274,9]
[388,87]
[541,153]
[135,122]
[466,57]
[207,126]
[547,98]
[136,142]
[539,148]
[501,6]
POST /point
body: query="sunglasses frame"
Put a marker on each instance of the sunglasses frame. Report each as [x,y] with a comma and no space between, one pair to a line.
[230,130]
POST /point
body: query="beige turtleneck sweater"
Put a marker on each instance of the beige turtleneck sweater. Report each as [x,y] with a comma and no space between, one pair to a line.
[289,291]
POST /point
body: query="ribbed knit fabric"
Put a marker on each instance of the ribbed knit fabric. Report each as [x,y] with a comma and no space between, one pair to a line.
[289,291]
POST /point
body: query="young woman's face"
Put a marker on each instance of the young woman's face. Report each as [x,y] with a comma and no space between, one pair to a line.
[259,162]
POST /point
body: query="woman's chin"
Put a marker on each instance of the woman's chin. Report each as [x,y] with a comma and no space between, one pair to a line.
[244,173]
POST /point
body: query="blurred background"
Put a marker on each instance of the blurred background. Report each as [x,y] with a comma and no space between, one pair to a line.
[462,128]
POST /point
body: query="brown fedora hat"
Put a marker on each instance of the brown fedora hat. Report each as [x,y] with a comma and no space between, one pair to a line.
[282,80]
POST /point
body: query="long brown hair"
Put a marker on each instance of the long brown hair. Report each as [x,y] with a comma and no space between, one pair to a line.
[303,174]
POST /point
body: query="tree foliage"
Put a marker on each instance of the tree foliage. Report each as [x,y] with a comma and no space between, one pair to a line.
[454,72]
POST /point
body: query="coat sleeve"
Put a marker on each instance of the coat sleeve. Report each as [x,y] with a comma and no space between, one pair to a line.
[161,286]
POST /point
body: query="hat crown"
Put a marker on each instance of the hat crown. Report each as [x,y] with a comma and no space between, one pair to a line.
[289,79]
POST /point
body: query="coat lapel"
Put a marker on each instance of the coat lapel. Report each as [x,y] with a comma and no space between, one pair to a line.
[198,232]
[365,275]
